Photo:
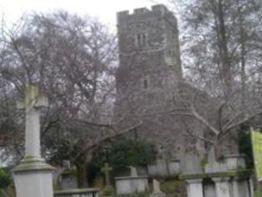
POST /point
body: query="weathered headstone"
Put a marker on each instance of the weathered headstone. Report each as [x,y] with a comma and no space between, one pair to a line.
[133,171]
[191,164]
[212,164]
[156,190]
[33,177]
[131,184]
[68,179]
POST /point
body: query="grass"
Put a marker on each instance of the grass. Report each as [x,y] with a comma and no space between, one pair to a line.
[173,188]
[258,194]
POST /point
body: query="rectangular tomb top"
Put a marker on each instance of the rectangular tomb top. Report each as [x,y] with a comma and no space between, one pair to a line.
[77,191]
[130,178]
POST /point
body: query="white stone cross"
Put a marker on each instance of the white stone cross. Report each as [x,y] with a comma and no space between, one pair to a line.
[32,103]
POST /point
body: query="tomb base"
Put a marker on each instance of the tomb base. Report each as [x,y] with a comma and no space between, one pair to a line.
[33,177]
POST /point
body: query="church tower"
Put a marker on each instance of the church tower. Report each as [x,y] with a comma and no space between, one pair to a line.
[150,84]
[149,57]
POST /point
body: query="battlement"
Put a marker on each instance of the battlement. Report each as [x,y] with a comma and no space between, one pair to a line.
[159,9]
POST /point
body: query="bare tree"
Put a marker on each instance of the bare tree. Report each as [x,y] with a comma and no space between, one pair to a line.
[72,60]
[221,55]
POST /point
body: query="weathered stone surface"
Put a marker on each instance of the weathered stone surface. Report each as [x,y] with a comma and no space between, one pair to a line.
[156,190]
[194,188]
[191,164]
[133,171]
[34,183]
[131,185]
[159,168]
[164,168]
[226,178]
[209,189]
[174,167]
[68,180]
[91,192]
[234,162]
[222,187]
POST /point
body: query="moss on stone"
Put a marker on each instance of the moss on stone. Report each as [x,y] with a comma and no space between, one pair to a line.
[237,173]
[173,187]
[32,164]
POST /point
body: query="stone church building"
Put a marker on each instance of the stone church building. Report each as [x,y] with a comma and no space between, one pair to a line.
[150,85]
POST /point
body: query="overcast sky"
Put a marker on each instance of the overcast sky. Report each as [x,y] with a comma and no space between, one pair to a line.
[104,10]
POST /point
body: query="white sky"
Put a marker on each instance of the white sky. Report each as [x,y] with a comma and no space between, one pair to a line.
[104,10]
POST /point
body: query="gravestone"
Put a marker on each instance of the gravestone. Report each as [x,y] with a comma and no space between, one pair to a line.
[133,171]
[191,164]
[33,177]
[164,168]
[68,179]
[156,190]
[213,165]
[131,184]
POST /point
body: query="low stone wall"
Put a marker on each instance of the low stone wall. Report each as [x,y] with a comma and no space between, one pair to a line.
[77,193]
[224,184]
[131,185]
[224,178]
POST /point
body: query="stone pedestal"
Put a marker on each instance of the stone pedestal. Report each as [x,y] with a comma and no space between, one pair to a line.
[33,178]
[194,188]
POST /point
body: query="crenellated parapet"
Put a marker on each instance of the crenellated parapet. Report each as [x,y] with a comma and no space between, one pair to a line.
[142,13]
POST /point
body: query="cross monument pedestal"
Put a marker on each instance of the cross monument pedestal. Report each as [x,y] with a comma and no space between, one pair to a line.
[33,177]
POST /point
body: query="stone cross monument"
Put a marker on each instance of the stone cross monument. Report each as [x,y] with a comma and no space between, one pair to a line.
[33,177]
[106,170]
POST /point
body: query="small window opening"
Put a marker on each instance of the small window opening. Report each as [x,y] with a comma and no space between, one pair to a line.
[145,83]
[141,40]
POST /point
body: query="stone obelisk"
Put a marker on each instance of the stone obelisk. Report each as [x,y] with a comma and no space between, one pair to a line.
[33,177]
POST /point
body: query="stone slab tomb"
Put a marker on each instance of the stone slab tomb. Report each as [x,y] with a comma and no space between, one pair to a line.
[131,184]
